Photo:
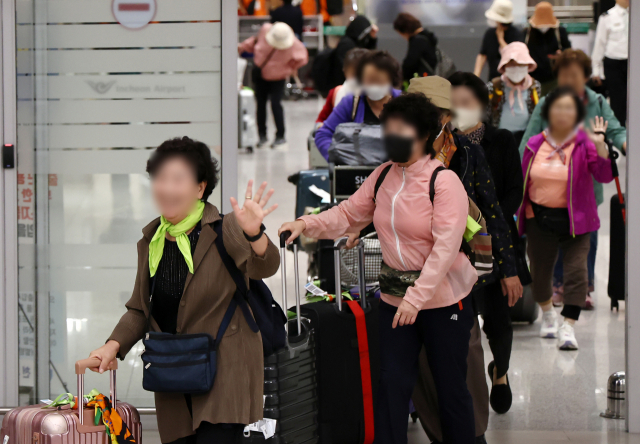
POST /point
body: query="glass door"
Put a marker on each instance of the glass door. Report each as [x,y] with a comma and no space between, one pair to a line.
[100,84]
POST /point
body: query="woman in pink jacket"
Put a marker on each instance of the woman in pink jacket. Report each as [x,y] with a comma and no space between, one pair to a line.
[277,54]
[425,280]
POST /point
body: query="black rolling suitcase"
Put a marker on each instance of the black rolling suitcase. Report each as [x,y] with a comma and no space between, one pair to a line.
[617,278]
[526,309]
[290,382]
[348,359]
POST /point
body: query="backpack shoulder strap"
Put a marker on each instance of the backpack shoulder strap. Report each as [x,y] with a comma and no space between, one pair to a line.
[356,102]
[432,183]
[238,277]
[380,179]
[557,30]
[527,33]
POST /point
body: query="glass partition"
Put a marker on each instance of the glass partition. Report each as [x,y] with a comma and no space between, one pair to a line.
[100,84]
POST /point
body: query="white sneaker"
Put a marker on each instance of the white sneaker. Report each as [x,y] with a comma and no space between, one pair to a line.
[567,337]
[549,327]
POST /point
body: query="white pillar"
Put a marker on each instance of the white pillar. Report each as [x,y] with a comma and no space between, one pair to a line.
[633,219]
[229,151]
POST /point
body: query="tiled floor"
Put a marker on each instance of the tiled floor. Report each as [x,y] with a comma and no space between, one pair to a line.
[557,395]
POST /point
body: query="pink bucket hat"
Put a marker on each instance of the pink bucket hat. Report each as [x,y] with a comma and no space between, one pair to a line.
[519,52]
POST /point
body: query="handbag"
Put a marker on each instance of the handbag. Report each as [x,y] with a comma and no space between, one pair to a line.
[186,363]
[357,144]
[445,67]
[552,220]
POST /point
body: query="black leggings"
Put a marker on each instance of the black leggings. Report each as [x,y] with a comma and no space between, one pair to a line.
[497,324]
[209,433]
[269,90]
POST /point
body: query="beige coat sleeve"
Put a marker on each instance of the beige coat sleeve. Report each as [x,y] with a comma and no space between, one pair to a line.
[240,250]
[133,324]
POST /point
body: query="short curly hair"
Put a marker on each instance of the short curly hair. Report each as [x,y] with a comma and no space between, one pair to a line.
[416,110]
[570,56]
[383,61]
[196,154]
[558,93]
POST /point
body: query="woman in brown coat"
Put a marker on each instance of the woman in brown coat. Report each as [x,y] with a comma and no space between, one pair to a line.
[193,290]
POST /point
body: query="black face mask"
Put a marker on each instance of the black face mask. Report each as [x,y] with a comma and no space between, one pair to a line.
[398,148]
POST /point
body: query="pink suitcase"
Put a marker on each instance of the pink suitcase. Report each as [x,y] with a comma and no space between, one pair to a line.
[35,425]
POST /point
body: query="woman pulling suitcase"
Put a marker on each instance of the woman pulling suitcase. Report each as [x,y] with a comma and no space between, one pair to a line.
[181,269]
[425,296]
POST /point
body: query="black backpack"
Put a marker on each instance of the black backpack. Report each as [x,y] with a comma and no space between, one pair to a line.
[322,70]
[268,315]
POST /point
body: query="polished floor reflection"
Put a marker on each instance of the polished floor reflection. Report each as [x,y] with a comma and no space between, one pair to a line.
[557,395]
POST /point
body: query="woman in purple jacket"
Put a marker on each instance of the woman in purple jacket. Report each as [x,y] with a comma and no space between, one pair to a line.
[377,72]
[559,207]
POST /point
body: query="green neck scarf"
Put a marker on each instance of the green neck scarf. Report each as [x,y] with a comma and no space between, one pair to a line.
[179,230]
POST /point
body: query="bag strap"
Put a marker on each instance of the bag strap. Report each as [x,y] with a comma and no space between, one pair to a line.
[153,287]
[432,183]
[356,102]
[527,33]
[558,38]
[242,292]
[268,58]
[464,246]
[365,370]
[430,70]
[380,179]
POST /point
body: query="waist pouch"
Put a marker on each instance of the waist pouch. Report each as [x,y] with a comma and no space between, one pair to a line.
[179,363]
[395,282]
[552,220]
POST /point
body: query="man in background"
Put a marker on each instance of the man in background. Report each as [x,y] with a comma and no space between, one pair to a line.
[289,14]
[611,56]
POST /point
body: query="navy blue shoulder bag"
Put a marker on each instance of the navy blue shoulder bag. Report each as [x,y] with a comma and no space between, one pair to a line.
[187,363]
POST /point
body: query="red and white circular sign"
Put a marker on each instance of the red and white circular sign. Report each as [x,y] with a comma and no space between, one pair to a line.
[134,14]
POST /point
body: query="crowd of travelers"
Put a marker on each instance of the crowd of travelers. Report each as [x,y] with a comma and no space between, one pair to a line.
[512,165]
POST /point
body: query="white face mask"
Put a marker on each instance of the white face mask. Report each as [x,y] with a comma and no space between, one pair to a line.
[543,29]
[376,92]
[516,73]
[492,23]
[465,118]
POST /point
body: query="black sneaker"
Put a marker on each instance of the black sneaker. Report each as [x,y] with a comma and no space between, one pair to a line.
[278,142]
[263,141]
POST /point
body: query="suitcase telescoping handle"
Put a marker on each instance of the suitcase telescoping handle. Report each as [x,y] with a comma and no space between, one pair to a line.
[81,367]
[283,273]
[337,246]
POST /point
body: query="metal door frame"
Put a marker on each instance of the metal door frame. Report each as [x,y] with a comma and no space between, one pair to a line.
[9,215]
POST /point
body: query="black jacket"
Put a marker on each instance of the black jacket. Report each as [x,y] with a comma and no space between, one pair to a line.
[471,166]
[541,46]
[503,157]
[422,46]
[356,36]
[291,15]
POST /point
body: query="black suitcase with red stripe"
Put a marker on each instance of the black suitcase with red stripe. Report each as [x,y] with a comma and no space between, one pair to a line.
[347,374]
